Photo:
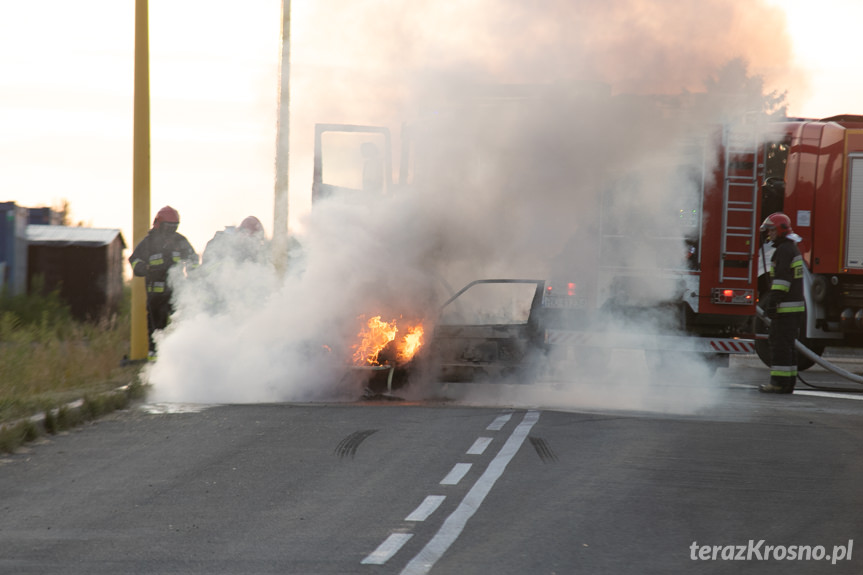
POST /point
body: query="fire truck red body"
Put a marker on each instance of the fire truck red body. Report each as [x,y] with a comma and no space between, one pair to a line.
[824,198]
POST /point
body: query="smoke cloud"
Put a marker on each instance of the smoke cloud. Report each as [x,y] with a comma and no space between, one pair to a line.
[535,129]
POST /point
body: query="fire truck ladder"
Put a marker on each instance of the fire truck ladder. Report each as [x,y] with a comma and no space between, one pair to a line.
[739,202]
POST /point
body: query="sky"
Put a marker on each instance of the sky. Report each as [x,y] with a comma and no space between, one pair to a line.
[66,88]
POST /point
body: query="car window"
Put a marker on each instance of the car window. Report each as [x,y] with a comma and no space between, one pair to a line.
[491,304]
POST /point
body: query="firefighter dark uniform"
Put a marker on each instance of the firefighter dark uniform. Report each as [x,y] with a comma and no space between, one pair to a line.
[245,243]
[784,304]
[158,252]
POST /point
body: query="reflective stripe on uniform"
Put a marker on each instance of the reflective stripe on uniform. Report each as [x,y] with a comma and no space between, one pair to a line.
[781,285]
[156,287]
[797,266]
[783,370]
[791,307]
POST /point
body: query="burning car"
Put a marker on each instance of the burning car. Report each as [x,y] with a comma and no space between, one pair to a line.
[490,329]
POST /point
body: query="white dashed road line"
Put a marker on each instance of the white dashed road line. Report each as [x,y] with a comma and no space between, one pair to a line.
[811,393]
[458,471]
[499,422]
[387,549]
[454,524]
[426,508]
[479,446]
[858,397]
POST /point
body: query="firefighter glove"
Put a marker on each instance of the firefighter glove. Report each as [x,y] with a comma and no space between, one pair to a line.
[769,304]
[139,268]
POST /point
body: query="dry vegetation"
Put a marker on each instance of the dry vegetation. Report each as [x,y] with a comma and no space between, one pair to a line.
[48,361]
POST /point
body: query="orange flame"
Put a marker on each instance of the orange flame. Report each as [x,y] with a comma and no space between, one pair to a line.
[411,343]
[377,334]
[373,338]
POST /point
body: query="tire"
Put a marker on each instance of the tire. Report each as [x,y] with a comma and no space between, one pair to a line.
[817,347]
[762,347]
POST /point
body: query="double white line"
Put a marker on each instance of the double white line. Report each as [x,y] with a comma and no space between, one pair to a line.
[454,524]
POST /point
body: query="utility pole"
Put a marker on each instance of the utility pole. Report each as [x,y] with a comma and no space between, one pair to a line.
[140,175]
[280,207]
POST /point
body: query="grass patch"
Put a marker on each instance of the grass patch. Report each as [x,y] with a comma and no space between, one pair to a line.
[48,360]
[55,420]
[13,436]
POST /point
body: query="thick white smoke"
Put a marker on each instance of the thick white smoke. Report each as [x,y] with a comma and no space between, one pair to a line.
[535,126]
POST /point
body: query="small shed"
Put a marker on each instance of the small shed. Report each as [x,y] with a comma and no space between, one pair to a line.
[84,264]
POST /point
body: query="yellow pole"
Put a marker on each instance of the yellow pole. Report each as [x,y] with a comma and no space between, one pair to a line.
[140,175]
[280,211]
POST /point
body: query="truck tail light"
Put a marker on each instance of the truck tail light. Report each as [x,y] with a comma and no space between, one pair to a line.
[571,289]
[732,296]
[563,295]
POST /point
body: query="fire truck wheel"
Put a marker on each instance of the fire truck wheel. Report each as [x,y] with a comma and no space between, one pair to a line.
[803,362]
[762,347]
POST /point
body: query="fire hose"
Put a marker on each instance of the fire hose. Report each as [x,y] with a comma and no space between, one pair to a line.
[852,377]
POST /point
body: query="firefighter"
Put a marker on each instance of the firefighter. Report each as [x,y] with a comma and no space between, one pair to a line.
[783,304]
[245,243]
[160,250]
[233,266]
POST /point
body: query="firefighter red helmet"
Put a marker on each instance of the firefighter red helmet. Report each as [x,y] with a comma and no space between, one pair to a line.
[252,226]
[166,215]
[778,221]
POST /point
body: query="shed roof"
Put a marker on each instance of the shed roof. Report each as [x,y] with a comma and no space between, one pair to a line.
[40,235]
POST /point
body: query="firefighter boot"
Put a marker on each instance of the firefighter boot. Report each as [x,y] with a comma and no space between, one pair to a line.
[777,385]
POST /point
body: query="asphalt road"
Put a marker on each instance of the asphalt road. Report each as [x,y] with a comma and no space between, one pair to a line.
[674,477]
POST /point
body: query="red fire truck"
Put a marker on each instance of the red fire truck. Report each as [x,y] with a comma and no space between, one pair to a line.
[810,169]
